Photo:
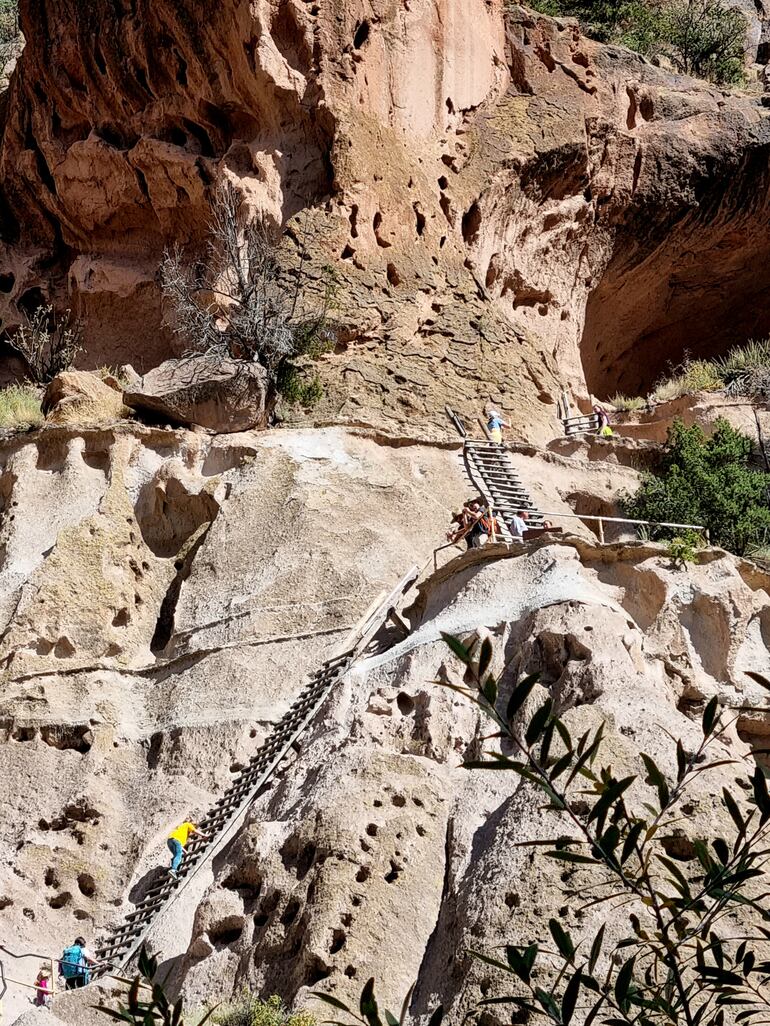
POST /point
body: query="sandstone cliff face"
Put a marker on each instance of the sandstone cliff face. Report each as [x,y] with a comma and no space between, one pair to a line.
[163,596]
[508,207]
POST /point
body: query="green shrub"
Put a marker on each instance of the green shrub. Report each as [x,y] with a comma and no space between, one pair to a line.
[20,407]
[682,548]
[627,403]
[709,482]
[691,376]
[705,38]
[248,1010]
[297,388]
[753,355]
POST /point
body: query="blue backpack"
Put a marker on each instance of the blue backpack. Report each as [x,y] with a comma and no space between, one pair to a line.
[71,964]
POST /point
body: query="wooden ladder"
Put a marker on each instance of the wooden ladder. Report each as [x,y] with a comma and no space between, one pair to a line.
[491,470]
[224,819]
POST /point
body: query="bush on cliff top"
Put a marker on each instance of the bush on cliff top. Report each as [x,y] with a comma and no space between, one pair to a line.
[707,481]
[705,38]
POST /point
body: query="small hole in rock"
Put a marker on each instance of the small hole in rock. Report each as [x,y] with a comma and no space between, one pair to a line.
[393,873]
[372,829]
[405,703]
[86,884]
[361,36]
[60,900]
[398,800]
[338,941]
[363,874]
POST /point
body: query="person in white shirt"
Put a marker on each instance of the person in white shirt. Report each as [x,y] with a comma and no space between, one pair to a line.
[518,525]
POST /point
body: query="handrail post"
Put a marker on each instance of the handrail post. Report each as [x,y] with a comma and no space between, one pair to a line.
[601,530]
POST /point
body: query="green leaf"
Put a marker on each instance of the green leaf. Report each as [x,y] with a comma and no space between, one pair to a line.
[368,1004]
[518,963]
[762,681]
[491,961]
[569,1000]
[681,761]
[632,838]
[735,813]
[709,716]
[560,766]
[117,1016]
[462,653]
[538,722]
[596,949]
[489,690]
[564,734]
[520,694]
[329,999]
[761,796]
[572,856]
[611,795]
[485,657]
[623,981]
[548,1003]
[561,939]
[656,779]
[390,1018]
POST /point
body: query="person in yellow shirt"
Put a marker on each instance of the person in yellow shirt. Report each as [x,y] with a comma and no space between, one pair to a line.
[177,842]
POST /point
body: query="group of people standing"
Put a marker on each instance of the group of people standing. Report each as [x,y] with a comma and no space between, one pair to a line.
[476,525]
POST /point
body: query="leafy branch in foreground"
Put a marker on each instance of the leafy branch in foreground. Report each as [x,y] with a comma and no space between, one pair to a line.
[370,1012]
[157,1008]
[686,950]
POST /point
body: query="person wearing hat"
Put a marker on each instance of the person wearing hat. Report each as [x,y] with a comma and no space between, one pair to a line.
[495,425]
[42,997]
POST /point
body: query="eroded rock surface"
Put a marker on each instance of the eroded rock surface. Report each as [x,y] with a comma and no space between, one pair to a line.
[165,595]
[549,209]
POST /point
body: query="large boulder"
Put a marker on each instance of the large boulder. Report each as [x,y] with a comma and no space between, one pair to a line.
[219,394]
[79,397]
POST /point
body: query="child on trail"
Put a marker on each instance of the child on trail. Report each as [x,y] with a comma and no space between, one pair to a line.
[518,525]
[495,425]
[42,998]
[177,842]
[75,964]
[603,430]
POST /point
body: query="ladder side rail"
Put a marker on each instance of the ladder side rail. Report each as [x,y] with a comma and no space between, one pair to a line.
[224,834]
[283,736]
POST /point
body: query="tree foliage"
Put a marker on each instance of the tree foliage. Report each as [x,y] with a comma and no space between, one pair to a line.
[239,303]
[706,38]
[707,481]
[250,1010]
[693,935]
[154,1008]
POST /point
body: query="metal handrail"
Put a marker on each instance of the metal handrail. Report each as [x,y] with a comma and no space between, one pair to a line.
[52,962]
[627,520]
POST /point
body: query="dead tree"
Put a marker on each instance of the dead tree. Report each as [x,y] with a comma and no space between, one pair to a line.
[237,302]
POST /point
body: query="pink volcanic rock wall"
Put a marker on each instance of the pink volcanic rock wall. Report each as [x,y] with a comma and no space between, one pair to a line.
[506,207]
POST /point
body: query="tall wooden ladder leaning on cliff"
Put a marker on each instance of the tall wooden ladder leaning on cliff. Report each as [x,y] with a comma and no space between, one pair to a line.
[490,469]
[224,819]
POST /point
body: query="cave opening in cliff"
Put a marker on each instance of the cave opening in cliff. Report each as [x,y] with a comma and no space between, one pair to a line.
[692,297]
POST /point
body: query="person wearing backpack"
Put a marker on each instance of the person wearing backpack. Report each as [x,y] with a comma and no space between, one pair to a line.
[75,963]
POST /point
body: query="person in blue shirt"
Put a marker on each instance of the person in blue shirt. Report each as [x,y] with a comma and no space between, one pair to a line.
[495,425]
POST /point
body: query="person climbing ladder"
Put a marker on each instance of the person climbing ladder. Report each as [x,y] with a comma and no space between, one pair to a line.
[495,425]
[177,842]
